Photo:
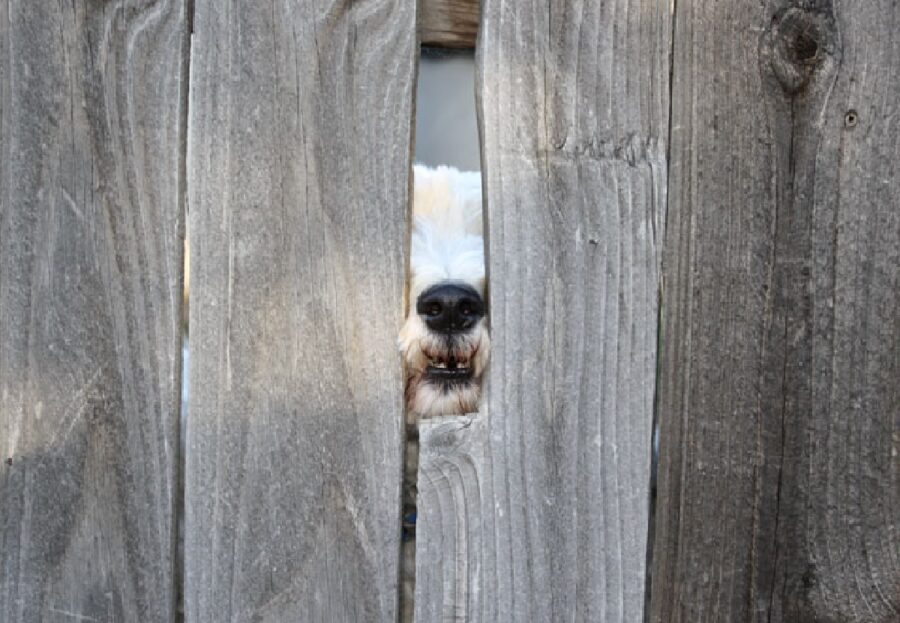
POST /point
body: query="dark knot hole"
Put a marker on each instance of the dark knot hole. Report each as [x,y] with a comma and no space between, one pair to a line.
[806,48]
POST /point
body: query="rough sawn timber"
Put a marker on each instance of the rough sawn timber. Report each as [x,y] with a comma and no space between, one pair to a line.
[779,403]
[538,509]
[92,116]
[449,23]
[299,154]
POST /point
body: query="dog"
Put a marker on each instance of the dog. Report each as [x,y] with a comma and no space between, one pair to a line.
[445,341]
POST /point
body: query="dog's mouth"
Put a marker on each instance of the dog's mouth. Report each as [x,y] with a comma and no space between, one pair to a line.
[449,369]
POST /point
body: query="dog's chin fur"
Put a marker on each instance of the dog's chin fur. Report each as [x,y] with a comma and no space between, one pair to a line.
[447,247]
[419,346]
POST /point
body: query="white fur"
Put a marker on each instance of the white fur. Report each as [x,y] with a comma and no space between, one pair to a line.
[447,242]
[447,246]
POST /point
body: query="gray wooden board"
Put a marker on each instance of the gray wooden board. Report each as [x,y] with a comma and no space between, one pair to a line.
[779,404]
[92,117]
[452,528]
[299,157]
[543,511]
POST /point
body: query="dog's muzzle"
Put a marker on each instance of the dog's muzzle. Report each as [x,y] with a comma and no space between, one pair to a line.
[451,311]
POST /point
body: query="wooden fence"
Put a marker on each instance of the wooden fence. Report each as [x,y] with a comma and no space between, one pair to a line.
[693,215]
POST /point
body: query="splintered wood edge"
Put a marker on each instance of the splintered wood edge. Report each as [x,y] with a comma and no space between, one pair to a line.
[449,23]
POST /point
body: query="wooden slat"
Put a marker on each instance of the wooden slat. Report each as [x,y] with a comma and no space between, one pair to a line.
[453,533]
[780,413]
[299,169]
[449,23]
[538,510]
[91,202]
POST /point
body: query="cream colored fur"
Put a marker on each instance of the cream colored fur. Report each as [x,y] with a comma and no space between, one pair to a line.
[447,246]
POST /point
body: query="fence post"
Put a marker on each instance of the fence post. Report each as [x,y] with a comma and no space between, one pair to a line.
[301,118]
[91,226]
[536,509]
[779,480]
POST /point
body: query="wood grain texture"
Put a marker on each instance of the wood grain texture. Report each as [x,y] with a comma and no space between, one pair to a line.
[449,23]
[779,402]
[92,117]
[299,157]
[452,541]
[574,108]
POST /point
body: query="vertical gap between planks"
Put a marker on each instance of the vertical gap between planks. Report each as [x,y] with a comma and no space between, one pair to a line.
[655,437]
[457,156]
[179,506]
[409,462]
[654,455]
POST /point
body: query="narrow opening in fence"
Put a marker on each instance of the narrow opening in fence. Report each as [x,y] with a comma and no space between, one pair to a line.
[447,197]
[654,469]
[185,396]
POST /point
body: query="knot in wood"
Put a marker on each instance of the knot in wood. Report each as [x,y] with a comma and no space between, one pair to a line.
[796,44]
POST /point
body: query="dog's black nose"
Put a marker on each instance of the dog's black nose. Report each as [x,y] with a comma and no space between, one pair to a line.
[450,307]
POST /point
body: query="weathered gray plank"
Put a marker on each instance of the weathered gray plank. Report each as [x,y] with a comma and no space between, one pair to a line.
[780,413]
[449,23]
[299,150]
[543,500]
[92,114]
[453,543]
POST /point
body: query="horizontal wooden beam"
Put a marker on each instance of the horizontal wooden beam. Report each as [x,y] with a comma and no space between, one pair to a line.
[449,23]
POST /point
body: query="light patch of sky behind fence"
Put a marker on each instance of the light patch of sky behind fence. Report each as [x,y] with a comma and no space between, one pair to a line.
[446,125]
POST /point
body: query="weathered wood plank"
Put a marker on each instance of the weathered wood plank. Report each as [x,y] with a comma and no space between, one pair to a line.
[780,414]
[300,141]
[449,23]
[453,544]
[91,200]
[543,508]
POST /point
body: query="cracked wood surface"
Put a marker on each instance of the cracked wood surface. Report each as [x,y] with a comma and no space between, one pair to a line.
[538,511]
[779,485]
[299,154]
[91,130]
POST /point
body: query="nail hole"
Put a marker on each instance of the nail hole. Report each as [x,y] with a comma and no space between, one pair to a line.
[851,119]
